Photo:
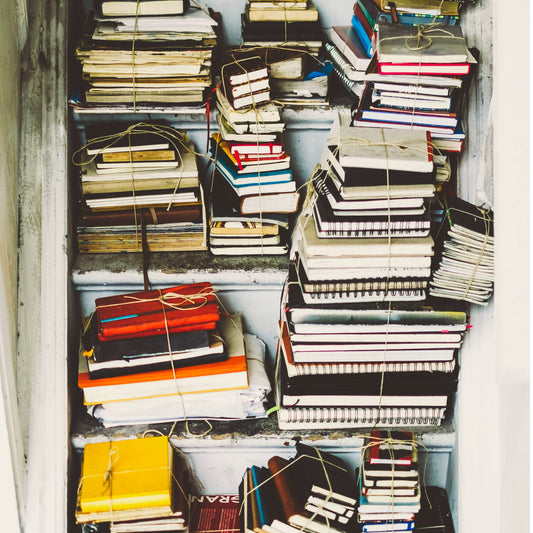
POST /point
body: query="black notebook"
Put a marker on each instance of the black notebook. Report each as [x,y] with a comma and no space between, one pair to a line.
[434,515]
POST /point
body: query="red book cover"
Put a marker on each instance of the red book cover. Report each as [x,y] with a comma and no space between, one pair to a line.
[159,323]
[214,513]
[142,302]
[183,308]
[392,447]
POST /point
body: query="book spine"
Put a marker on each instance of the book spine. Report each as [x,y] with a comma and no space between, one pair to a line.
[279,467]
[361,33]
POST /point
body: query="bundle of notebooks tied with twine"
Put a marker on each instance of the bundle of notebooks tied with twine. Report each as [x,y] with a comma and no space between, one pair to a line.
[252,187]
[361,345]
[143,54]
[134,483]
[169,354]
[312,492]
[140,190]
[464,263]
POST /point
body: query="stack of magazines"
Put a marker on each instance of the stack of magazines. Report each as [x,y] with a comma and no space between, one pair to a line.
[131,56]
[161,355]
[140,190]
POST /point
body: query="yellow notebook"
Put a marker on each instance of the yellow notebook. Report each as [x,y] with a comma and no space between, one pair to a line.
[126,474]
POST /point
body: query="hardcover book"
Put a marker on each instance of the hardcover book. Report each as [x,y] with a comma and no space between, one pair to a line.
[126,474]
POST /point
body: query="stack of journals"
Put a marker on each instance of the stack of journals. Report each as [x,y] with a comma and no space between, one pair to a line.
[252,188]
[361,345]
[420,85]
[464,262]
[367,219]
[389,484]
[143,54]
[163,355]
[140,190]
[136,485]
[296,76]
[282,24]
[368,13]
[311,492]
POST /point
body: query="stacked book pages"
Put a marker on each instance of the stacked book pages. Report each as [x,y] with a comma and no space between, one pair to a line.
[137,54]
[252,188]
[162,355]
[360,343]
[140,190]
[389,482]
[286,23]
[134,485]
[417,79]
[311,492]
[464,262]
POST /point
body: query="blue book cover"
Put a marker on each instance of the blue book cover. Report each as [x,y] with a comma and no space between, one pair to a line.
[244,180]
[363,37]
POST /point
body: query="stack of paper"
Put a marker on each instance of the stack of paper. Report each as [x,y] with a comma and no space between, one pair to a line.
[156,356]
[389,482]
[136,485]
[464,267]
[129,58]
[140,190]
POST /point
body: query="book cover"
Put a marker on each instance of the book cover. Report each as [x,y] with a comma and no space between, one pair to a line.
[126,474]
[440,44]
[407,150]
[214,513]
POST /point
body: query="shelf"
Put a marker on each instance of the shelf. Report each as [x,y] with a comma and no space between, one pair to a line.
[171,268]
[261,433]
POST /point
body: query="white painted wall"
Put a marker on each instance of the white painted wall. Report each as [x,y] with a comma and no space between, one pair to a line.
[11,451]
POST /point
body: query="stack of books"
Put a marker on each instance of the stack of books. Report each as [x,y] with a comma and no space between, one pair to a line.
[134,485]
[389,482]
[140,190]
[252,188]
[378,228]
[140,54]
[417,80]
[464,262]
[282,24]
[368,13]
[361,344]
[161,355]
[296,77]
[312,492]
